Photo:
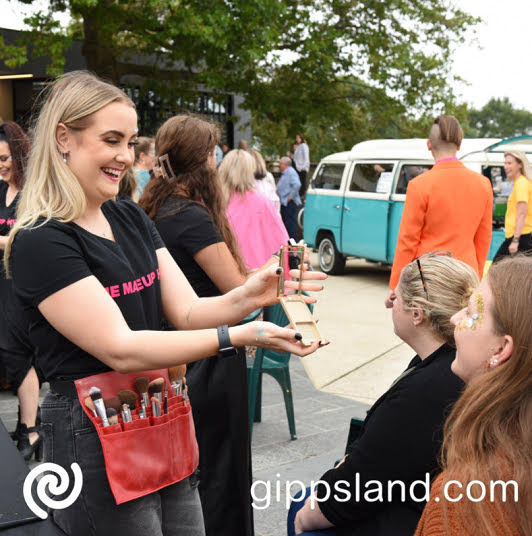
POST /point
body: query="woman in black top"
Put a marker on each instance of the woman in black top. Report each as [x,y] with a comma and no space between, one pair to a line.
[402,433]
[16,353]
[189,213]
[95,280]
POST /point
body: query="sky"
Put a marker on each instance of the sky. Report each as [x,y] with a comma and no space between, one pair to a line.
[500,65]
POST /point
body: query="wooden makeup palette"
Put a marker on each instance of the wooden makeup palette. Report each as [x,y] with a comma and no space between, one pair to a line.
[292,301]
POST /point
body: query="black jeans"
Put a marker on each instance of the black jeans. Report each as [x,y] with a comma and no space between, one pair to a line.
[69,436]
[289,216]
[525,246]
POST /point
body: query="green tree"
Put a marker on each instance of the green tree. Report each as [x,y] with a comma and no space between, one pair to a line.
[323,65]
[499,119]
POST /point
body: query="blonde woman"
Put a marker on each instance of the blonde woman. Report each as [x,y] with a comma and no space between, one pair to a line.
[74,255]
[488,435]
[518,220]
[258,228]
[402,433]
[264,181]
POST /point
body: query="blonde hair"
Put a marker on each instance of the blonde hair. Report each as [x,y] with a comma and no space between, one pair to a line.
[449,284]
[488,434]
[260,165]
[520,156]
[237,173]
[51,189]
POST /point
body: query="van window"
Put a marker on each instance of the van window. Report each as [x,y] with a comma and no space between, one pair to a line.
[373,178]
[407,173]
[329,177]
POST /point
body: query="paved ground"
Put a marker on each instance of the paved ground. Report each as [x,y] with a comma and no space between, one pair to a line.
[336,383]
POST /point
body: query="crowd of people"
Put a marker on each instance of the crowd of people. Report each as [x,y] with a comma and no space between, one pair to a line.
[126,254]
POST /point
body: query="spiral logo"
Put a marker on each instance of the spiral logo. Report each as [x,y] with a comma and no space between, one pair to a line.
[52,484]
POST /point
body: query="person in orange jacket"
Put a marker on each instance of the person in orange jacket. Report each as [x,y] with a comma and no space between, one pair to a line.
[447,208]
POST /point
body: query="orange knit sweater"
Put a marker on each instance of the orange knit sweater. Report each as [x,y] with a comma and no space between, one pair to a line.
[431,522]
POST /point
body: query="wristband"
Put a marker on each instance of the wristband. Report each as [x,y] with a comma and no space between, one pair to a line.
[516,239]
[226,349]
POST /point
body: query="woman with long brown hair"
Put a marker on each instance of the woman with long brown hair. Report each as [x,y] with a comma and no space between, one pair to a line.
[488,436]
[186,202]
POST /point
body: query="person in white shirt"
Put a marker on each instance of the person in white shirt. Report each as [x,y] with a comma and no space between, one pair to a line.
[301,161]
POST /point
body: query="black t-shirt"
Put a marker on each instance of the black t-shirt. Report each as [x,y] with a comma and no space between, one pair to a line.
[186,227]
[8,216]
[7,213]
[52,256]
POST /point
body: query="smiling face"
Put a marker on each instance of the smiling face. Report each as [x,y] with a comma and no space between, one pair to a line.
[101,154]
[512,167]
[477,343]
[6,164]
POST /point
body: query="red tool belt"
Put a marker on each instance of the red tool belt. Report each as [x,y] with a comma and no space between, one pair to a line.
[144,455]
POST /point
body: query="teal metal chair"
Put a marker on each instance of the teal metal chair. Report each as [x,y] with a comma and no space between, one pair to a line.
[276,365]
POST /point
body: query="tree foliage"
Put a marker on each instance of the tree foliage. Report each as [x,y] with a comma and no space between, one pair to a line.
[499,119]
[325,67]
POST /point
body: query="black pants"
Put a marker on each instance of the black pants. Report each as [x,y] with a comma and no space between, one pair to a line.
[289,216]
[525,246]
[303,179]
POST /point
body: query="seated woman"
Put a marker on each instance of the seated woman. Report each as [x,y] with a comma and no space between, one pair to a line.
[402,434]
[488,436]
[257,225]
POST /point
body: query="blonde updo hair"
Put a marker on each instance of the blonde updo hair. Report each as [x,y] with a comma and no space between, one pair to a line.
[449,283]
[51,189]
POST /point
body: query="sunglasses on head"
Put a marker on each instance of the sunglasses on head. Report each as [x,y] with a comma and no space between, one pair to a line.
[441,253]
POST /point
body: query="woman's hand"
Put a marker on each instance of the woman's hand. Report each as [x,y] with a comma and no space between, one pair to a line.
[261,287]
[513,247]
[272,337]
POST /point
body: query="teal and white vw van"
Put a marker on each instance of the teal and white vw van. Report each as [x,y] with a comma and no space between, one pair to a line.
[355,199]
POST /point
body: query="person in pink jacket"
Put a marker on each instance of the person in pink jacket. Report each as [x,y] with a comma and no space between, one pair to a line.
[258,228]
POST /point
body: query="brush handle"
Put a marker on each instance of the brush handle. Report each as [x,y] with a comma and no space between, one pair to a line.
[155,409]
[102,412]
[145,399]
[126,415]
[177,386]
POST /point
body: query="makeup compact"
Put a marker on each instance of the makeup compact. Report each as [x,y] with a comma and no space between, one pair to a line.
[290,294]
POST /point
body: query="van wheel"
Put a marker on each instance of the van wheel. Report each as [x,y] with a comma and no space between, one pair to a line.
[331,260]
[300,217]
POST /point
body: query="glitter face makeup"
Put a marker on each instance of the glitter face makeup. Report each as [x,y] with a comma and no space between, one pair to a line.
[475,320]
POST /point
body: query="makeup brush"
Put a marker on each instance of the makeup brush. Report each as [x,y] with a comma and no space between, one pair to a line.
[126,413]
[175,375]
[142,411]
[156,388]
[155,407]
[96,396]
[128,397]
[90,405]
[141,385]
[113,402]
[112,416]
